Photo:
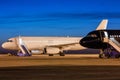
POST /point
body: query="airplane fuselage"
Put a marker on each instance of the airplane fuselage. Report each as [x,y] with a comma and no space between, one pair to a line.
[95,39]
[35,43]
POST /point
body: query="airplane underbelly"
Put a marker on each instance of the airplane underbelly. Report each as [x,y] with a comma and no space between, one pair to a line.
[35,46]
[75,47]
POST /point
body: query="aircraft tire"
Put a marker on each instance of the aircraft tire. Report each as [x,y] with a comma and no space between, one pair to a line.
[62,54]
[50,54]
[107,55]
[101,55]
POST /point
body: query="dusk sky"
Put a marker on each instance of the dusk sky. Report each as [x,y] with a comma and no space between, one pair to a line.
[55,17]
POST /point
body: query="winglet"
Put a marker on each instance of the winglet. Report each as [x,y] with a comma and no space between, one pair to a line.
[102,25]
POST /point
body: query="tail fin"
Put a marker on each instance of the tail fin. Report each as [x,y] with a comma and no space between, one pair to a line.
[102,25]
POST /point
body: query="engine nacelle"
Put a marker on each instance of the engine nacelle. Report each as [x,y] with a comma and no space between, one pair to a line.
[36,51]
[52,50]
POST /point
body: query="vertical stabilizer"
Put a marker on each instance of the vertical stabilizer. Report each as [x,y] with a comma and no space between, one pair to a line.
[102,25]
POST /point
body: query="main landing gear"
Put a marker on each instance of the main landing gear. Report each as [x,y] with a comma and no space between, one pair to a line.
[101,54]
[61,54]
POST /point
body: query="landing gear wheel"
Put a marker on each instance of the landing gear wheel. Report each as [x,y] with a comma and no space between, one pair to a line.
[9,54]
[62,54]
[50,54]
[101,55]
[107,55]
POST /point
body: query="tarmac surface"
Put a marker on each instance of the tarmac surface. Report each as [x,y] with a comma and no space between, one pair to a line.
[69,67]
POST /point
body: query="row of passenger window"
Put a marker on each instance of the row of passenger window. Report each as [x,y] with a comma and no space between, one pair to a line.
[114,35]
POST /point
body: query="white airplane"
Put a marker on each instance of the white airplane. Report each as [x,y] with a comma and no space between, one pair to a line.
[48,45]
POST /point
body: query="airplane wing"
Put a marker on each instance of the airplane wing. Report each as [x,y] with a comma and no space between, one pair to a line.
[70,46]
[63,45]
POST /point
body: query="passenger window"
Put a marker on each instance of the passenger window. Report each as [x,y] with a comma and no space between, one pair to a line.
[93,35]
[10,41]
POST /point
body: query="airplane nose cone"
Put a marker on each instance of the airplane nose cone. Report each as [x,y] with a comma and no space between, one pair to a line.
[9,46]
[82,42]
[5,45]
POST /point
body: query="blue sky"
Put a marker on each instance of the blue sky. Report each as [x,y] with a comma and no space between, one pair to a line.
[55,17]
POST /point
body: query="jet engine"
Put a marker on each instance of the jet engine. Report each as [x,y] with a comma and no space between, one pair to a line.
[52,50]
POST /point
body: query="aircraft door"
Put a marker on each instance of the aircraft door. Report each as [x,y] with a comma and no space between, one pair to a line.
[106,34]
[106,37]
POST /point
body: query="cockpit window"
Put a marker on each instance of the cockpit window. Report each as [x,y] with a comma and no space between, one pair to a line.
[91,35]
[10,41]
